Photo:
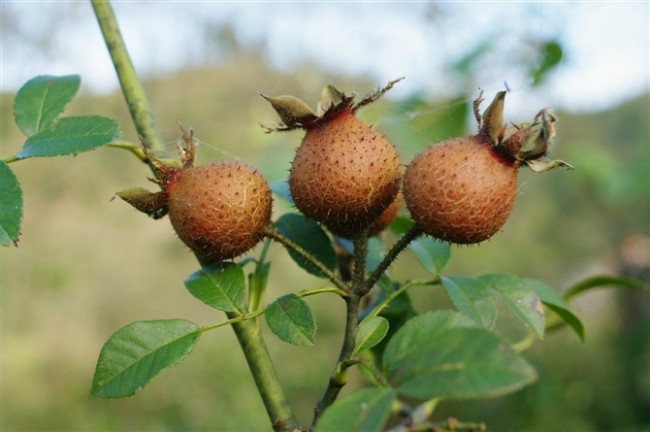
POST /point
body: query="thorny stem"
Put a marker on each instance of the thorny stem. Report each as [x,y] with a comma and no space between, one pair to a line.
[289,244]
[134,93]
[247,331]
[360,254]
[392,254]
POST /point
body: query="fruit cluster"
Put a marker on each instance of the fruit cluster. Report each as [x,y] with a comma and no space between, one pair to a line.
[347,176]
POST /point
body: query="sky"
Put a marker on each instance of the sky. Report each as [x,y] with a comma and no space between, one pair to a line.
[606,61]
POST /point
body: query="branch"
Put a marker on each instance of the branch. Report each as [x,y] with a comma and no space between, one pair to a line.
[266,379]
[289,244]
[139,106]
[392,254]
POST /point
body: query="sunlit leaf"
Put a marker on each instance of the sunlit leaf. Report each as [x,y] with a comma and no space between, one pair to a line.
[41,100]
[473,298]
[11,206]
[442,355]
[520,298]
[71,135]
[221,285]
[311,237]
[136,353]
[552,300]
[365,410]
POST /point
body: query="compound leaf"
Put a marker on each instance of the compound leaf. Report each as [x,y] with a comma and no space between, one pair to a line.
[71,135]
[290,319]
[11,206]
[370,333]
[365,410]
[136,353]
[520,298]
[41,100]
[433,254]
[221,285]
[552,300]
[473,298]
[443,355]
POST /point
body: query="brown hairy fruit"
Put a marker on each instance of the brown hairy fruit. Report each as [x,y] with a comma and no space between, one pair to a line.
[344,173]
[219,210]
[461,190]
[386,217]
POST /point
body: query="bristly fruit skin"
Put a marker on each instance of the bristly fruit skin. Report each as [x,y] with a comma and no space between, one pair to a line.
[219,210]
[344,174]
[461,190]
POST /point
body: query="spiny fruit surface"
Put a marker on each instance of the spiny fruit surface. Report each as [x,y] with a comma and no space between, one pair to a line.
[460,190]
[344,174]
[220,210]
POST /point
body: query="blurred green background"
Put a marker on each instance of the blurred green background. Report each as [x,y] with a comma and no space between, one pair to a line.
[86,264]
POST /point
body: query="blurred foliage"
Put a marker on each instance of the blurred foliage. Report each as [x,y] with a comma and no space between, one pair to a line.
[86,266]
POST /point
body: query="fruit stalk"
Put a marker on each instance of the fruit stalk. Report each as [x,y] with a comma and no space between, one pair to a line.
[391,255]
[266,379]
[274,235]
[136,99]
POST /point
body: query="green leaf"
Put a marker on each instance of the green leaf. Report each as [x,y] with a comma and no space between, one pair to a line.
[136,353]
[370,333]
[71,135]
[221,285]
[290,319]
[11,206]
[311,237]
[442,355]
[417,331]
[401,224]
[520,298]
[398,312]
[433,254]
[473,298]
[365,410]
[40,101]
[552,300]
[601,282]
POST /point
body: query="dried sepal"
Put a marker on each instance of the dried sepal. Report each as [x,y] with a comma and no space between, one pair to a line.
[292,111]
[492,121]
[330,97]
[538,165]
[154,204]
[371,97]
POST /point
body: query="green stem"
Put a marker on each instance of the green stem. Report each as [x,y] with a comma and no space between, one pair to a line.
[10,159]
[266,379]
[289,244]
[136,99]
[393,295]
[392,254]
[313,291]
[339,378]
